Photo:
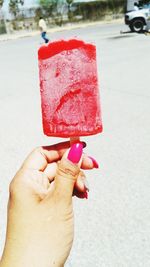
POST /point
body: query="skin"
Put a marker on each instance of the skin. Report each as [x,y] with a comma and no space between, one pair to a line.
[40,224]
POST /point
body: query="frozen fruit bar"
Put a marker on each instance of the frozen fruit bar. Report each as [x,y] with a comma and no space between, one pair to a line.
[69,89]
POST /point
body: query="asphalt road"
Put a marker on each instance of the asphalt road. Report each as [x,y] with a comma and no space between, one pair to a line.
[112,227]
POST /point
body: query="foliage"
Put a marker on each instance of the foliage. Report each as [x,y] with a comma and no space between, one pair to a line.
[14,6]
[143,2]
[93,10]
[96,10]
[1,3]
[47,3]
[70,15]
[38,13]
[51,9]
[69,2]
[115,4]
[48,6]
[56,10]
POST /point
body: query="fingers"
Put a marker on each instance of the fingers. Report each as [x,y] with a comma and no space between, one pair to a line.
[55,152]
[80,194]
[88,162]
[40,157]
[51,171]
[81,184]
[46,159]
[68,171]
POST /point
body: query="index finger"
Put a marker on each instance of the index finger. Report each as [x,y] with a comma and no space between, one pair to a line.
[41,156]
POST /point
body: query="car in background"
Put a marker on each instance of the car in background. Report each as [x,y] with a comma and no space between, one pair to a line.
[139,20]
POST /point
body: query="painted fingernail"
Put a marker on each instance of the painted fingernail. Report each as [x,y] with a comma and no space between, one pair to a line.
[95,163]
[75,152]
[86,195]
[80,194]
[84,144]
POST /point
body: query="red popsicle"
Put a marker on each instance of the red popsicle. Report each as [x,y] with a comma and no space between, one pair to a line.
[69,89]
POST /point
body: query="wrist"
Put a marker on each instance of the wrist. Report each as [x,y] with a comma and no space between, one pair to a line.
[7,262]
[17,258]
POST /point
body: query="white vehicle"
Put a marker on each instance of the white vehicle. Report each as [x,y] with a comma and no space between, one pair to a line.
[139,20]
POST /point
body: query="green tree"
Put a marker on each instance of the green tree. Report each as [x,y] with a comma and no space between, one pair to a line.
[69,2]
[51,8]
[115,4]
[14,6]
[48,6]
[1,3]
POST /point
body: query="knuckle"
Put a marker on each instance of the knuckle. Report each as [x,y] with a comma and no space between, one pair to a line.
[12,189]
[14,186]
[37,149]
[81,173]
[66,168]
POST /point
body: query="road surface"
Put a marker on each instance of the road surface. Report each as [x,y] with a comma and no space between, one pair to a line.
[112,227]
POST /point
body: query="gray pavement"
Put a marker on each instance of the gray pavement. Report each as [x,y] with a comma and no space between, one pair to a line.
[69,26]
[112,227]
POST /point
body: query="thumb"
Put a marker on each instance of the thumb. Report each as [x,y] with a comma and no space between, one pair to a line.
[68,171]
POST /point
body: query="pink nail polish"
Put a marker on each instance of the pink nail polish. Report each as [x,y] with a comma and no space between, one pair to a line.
[94,162]
[75,152]
[86,195]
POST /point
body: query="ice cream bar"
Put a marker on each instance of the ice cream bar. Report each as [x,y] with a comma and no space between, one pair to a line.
[69,89]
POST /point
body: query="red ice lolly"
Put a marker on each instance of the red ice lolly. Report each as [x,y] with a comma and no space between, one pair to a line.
[69,89]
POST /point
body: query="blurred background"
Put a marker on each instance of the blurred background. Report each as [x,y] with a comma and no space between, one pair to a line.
[24,14]
[112,227]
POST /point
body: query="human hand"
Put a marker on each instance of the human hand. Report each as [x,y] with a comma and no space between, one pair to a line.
[40,213]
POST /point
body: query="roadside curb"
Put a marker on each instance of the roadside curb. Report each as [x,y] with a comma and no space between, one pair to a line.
[18,35]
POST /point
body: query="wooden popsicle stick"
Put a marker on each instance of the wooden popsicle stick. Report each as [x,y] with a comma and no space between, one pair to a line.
[75,139]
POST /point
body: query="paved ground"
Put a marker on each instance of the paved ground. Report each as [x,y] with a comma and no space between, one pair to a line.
[112,227]
[69,26]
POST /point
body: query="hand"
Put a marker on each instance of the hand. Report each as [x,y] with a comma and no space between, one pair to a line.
[40,213]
